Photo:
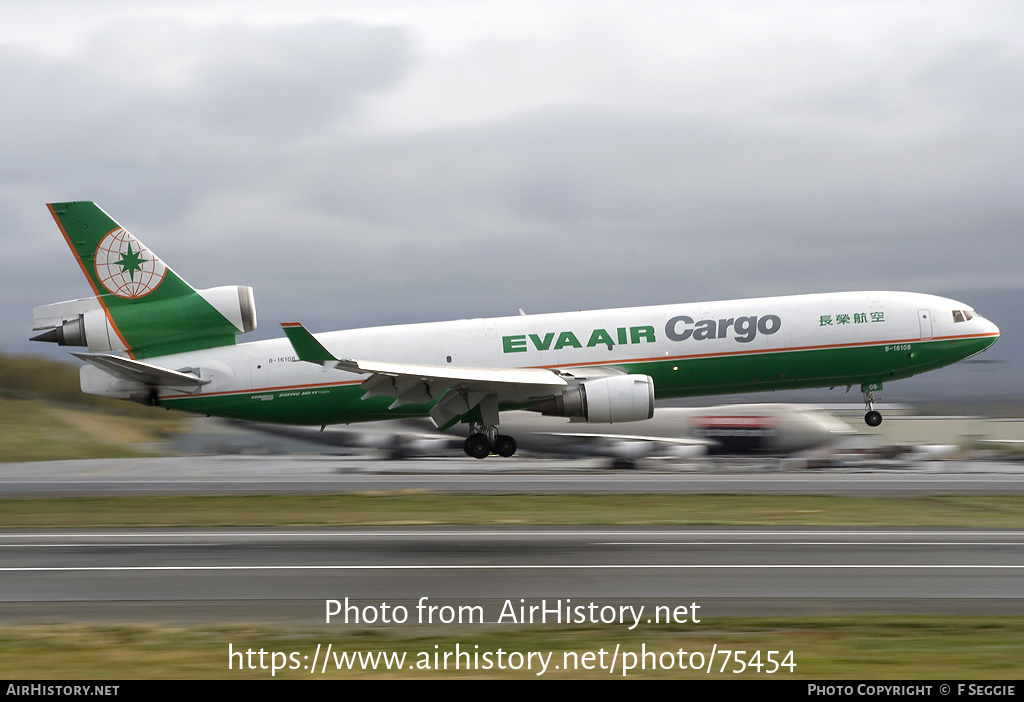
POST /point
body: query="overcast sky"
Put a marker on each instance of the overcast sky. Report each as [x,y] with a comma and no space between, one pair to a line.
[365,163]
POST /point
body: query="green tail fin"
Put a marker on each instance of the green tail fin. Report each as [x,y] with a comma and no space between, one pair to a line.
[147,305]
[116,264]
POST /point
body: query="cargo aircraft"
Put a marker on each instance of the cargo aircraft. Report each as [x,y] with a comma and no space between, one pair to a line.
[154,339]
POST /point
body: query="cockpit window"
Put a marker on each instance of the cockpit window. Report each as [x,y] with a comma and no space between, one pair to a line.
[962,315]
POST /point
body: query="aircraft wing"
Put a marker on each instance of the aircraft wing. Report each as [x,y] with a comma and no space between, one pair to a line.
[482,376]
[456,390]
[139,372]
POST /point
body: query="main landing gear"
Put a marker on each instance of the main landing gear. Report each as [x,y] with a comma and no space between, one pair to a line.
[485,440]
[872,417]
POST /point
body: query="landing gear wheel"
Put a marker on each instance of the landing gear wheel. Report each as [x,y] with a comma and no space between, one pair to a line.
[477,446]
[872,418]
[504,445]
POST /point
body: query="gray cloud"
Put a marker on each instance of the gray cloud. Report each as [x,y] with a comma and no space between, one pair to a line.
[251,154]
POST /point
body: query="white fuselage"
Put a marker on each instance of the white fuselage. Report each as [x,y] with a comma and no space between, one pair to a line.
[671,336]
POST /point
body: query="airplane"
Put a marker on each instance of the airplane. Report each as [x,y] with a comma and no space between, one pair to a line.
[154,339]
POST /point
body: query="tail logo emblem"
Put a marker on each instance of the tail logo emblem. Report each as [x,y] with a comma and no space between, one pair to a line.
[127,268]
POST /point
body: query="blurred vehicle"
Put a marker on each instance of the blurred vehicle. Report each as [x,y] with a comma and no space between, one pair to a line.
[678,432]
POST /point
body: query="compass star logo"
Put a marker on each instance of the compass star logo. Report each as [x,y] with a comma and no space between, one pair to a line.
[127,268]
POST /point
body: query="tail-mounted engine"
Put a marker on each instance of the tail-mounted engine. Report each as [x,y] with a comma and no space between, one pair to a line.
[157,327]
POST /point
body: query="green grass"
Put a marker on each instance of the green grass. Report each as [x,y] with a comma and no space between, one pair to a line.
[32,378]
[32,430]
[870,647]
[45,416]
[395,509]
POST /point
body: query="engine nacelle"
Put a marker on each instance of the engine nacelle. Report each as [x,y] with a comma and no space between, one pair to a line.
[77,323]
[235,302]
[619,398]
[167,325]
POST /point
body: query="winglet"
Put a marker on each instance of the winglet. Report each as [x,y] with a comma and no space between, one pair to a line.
[305,344]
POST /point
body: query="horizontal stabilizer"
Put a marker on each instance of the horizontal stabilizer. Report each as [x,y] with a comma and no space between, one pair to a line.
[139,372]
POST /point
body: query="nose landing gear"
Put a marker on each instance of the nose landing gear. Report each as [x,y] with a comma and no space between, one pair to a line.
[872,417]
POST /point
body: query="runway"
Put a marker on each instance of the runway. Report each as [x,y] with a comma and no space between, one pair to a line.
[291,573]
[287,575]
[332,474]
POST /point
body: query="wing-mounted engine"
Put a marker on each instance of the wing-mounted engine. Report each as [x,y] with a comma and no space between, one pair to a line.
[617,398]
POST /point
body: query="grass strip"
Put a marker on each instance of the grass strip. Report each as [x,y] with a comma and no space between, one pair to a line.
[871,647]
[426,508]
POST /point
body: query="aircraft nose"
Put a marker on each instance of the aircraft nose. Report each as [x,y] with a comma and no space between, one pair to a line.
[987,328]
